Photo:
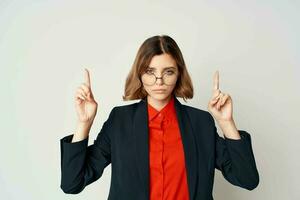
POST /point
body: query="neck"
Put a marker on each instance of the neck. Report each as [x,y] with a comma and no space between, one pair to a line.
[158,104]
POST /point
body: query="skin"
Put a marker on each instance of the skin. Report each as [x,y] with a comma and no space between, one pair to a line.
[220,104]
[86,108]
[221,108]
[159,63]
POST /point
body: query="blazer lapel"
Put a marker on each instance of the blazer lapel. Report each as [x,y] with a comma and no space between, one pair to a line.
[189,147]
[140,132]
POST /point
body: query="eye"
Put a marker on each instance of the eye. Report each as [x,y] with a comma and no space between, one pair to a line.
[149,71]
[170,72]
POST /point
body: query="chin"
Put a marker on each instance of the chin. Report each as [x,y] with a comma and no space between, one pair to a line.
[160,96]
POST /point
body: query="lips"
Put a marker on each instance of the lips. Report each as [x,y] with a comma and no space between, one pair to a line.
[159,90]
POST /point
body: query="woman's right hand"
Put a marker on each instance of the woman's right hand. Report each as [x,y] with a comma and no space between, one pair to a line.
[85,104]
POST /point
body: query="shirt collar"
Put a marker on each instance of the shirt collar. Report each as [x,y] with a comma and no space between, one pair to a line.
[165,111]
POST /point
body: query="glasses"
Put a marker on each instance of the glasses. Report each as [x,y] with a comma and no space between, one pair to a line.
[169,77]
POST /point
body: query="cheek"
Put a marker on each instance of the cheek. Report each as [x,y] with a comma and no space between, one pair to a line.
[171,88]
[147,88]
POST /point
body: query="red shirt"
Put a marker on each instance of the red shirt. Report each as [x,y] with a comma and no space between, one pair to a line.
[168,179]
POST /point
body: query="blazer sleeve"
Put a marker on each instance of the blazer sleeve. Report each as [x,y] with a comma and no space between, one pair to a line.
[82,164]
[235,159]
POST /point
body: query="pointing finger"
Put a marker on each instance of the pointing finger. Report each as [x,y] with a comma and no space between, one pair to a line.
[87,77]
[216,80]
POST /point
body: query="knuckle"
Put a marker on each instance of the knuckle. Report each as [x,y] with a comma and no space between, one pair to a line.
[83,87]
[81,90]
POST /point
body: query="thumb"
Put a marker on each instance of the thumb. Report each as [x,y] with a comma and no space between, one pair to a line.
[90,95]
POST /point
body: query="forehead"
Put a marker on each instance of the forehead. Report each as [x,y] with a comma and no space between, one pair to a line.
[162,61]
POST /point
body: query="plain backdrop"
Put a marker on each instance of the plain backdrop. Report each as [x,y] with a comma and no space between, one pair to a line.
[45,45]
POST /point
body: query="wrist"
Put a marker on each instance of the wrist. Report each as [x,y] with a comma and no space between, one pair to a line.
[229,129]
[82,131]
[83,127]
[227,123]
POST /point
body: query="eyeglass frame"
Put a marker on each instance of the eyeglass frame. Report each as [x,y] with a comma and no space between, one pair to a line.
[158,78]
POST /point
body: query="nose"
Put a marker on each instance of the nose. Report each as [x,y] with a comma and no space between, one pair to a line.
[159,81]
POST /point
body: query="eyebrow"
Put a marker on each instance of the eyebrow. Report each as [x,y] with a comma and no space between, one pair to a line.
[171,67]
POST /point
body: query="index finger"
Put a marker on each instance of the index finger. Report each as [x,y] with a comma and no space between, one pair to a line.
[87,77]
[216,80]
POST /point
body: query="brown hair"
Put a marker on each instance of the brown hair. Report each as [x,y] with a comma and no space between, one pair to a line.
[152,46]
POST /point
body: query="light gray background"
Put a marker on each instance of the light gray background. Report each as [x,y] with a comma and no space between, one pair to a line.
[44,46]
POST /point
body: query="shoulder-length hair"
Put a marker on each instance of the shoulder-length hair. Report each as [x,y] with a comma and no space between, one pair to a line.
[152,46]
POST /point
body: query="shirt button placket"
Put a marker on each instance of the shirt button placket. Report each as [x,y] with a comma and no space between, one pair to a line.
[162,157]
[161,131]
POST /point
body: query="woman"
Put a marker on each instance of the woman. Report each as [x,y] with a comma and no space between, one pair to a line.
[158,148]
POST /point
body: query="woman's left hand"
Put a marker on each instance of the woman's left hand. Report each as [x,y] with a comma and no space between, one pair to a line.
[220,105]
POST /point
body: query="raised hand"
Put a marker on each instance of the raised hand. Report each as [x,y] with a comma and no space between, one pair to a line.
[220,105]
[85,104]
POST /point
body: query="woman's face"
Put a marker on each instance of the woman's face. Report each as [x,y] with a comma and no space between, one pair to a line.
[163,67]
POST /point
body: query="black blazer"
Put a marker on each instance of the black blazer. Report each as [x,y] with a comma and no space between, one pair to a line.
[123,142]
